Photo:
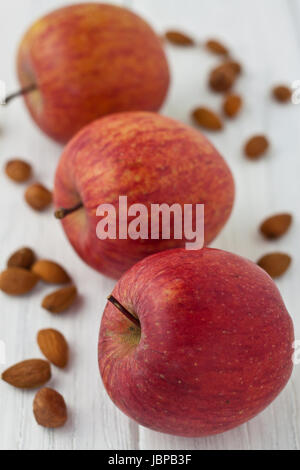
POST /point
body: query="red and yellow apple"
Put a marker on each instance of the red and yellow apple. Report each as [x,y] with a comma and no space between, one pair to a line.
[88,60]
[209,348]
[150,159]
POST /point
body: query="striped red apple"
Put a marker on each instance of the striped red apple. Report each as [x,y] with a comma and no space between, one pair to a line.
[150,159]
[87,60]
[205,346]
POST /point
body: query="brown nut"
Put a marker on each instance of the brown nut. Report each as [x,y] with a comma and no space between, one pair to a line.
[256,146]
[216,47]
[31,373]
[50,272]
[54,346]
[233,65]
[275,264]
[222,78]
[18,170]
[232,105]
[276,225]
[49,408]
[22,258]
[60,300]
[207,119]
[38,197]
[178,38]
[17,281]
[282,93]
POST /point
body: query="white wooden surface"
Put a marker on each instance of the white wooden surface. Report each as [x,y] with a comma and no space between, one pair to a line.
[264,35]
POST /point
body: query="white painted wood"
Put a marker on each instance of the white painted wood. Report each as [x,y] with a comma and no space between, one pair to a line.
[265,36]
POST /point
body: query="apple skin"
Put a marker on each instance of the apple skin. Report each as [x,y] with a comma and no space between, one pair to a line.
[89,60]
[150,159]
[215,346]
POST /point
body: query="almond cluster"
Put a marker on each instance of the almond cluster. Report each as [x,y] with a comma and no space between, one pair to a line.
[24,271]
[49,407]
[221,80]
[22,274]
[37,196]
[273,228]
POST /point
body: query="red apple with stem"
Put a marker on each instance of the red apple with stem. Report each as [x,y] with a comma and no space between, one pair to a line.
[206,343]
[150,159]
[87,60]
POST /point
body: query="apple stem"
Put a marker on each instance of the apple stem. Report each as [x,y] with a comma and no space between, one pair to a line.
[122,309]
[23,91]
[62,212]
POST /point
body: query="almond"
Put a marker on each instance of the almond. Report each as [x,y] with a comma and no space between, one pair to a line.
[22,258]
[17,281]
[256,146]
[54,346]
[38,197]
[276,226]
[282,93]
[216,47]
[179,38]
[50,272]
[232,105]
[222,78]
[18,170]
[49,408]
[207,119]
[275,264]
[60,300]
[234,66]
[31,373]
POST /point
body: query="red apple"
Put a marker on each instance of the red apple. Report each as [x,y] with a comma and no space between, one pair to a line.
[213,347]
[89,60]
[150,159]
